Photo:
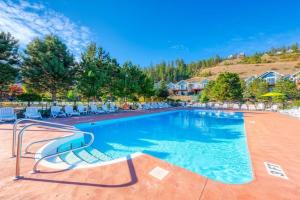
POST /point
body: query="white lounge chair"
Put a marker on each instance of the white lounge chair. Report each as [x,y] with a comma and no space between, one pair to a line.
[108,107]
[7,114]
[244,107]
[95,110]
[113,107]
[225,106]
[252,107]
[274,108]
[236,106]
[70,111]
[261,106]
[57,112]
[82,109]
[139,106]
[217,106]
[32,113]
[146,106]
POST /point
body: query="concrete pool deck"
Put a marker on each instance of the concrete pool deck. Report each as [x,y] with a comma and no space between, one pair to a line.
[272,137]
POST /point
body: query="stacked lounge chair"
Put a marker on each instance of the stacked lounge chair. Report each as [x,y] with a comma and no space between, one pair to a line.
[32,113]
[56,111]
[70,111]
[7,114]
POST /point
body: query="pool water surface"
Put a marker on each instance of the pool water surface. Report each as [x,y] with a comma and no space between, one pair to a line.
[209,143]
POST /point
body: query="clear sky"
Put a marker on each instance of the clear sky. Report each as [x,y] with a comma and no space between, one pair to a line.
[149,31]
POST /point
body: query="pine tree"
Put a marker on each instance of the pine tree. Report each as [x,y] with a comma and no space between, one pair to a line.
[49,66]
[9,61]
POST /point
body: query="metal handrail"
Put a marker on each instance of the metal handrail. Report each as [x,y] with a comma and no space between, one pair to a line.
[19,146]
[41,141]
[60,153]
[34,121]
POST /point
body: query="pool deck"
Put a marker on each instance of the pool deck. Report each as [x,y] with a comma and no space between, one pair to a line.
[272,137]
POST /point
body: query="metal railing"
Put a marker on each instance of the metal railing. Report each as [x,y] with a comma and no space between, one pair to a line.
[35,122]
[63,152]
[20,141]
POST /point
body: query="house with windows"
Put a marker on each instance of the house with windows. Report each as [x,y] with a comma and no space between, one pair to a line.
[271,77]
[181,88]
[157,85]
[250,79]
[186,87]
[296,78]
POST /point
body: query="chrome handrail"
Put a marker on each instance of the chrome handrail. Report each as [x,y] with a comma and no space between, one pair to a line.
[19,145]
[70,150]
[41,141]
[34,121]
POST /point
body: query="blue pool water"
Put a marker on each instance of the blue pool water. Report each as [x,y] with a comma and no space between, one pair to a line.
[210,143]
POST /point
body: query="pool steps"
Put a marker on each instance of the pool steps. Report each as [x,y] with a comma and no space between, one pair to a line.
[88,155]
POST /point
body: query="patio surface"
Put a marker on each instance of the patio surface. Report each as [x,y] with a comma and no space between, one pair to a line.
[271,137]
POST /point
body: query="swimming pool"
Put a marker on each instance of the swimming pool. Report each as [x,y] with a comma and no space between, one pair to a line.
[209,143]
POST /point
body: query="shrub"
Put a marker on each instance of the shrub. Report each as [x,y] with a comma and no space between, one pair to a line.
[29,97]
[296,103]
[206,74]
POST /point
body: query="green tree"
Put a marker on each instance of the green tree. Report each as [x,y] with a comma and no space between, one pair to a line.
[287,87]
[92,74]
[48,66]
[295,47]
[147,86]
[207,93]
[73,95]
[128,85]
[256,89]
[29,97]
[9,59]
[227,87]
[162,91]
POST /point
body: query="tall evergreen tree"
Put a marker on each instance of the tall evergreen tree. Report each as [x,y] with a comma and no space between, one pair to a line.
[48,66]
[96,72]
[9,60]
[162,91]
[227,87]
[129,84]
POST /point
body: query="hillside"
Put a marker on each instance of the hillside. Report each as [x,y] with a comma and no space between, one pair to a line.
[246,70]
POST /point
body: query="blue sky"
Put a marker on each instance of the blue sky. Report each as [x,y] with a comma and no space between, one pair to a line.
[150,31]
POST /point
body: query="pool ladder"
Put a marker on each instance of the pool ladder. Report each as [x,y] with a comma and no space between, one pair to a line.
[18,140]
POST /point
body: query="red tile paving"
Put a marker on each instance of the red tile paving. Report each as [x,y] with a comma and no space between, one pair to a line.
[271,137]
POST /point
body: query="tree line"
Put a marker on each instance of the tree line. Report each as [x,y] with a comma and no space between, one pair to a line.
[178,70]
[47,68]
[229,87]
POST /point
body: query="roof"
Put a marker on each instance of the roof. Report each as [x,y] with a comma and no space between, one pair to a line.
[182,81]
[268,72]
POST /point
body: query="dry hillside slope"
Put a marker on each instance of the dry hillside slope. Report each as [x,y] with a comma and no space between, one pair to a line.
[246,70]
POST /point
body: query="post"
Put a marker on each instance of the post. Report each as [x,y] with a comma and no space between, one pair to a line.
[13,153]
[18,158]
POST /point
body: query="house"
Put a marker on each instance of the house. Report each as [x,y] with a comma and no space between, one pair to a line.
[171,88]
[157,85]
[182,87]
[186,87]
[250,79]
[241,55]
[195,87]
[230,56]
[296,77]
[271,77]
